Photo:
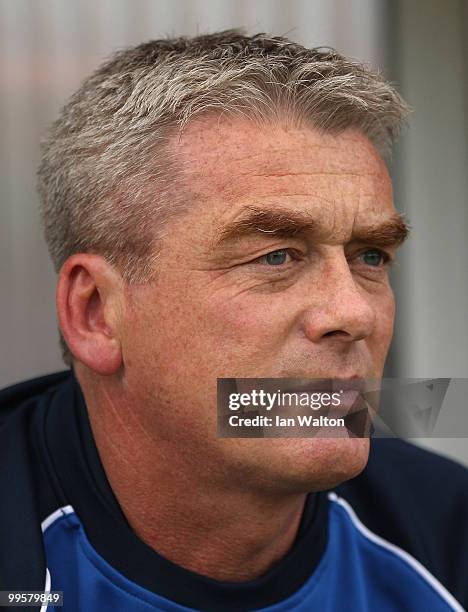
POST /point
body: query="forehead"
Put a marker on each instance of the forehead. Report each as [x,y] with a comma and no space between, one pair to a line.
[232,162]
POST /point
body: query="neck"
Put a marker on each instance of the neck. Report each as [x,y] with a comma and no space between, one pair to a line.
[221,531]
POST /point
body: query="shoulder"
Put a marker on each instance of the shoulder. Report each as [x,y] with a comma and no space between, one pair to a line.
[406,472]
[27,496]
[414,466]
[15,396]
[406,482]
[418,501]
[23,448]
[424,480]
[410,494]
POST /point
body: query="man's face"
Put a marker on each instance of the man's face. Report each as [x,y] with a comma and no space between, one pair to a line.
[277,269]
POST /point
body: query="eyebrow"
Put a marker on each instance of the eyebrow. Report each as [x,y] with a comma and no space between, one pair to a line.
[284,223]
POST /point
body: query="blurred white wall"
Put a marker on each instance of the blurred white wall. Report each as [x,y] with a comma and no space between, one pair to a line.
[48,46]
[428,56]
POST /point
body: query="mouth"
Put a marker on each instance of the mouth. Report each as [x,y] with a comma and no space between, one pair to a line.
[309,407]
[350,388]
[353,407]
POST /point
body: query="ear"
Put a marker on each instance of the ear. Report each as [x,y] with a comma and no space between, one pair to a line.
[89,301]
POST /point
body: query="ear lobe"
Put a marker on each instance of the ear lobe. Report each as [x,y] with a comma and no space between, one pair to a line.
[89,309]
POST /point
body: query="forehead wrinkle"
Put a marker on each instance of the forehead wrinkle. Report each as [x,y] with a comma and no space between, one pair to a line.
[226,169]
[220,156]
[309,173]
[230,185]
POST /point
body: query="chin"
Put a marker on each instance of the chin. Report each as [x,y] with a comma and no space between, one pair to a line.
[302,465]
[336,460]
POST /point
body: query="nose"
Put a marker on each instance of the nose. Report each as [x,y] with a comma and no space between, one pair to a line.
[339,307]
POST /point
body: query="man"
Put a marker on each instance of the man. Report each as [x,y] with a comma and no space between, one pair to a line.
[220,207]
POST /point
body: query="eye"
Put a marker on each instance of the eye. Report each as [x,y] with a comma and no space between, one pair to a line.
[374,258]
[275,258]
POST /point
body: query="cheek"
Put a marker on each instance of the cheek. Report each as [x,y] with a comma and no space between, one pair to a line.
[250,321]
[203,336]
[244,336]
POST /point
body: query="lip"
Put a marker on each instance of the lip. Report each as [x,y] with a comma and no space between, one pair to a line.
[351,390]
[325,384]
